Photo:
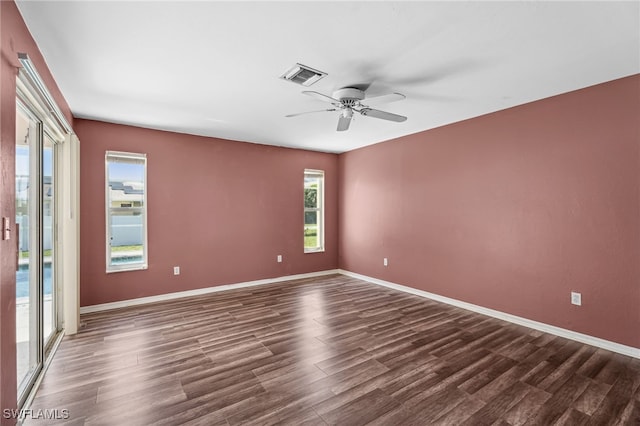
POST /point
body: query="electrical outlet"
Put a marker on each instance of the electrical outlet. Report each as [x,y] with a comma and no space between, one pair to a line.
[176,270]
[576,298]
[279,258]
[385,261]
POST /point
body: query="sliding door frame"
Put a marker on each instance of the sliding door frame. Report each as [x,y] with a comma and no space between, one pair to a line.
[34,97]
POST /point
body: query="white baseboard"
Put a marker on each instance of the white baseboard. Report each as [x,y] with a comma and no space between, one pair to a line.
[199,291]
[562,332]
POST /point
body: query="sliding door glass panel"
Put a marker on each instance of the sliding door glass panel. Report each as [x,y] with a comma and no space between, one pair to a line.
[27,239]
[48,241]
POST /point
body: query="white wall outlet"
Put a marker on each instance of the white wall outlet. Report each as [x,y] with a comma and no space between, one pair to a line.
[576,298]
[176,270]
[279,258]
[385,261]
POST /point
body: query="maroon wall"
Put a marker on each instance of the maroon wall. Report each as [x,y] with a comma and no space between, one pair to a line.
[14,38]
[510,211]
[221,210]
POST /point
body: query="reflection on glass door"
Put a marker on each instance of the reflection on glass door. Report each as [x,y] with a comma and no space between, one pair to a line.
[27,274]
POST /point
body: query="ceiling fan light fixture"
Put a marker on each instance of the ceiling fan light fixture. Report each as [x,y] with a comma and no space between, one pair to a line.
[347,101]
[302,74]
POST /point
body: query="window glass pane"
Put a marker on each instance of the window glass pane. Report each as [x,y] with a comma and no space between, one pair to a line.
[127,235]
[311,239]
[126,211]
[126,184]
[313,210]
[311,194]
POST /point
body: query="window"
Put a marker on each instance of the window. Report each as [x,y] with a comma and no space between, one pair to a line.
[126,207]
[313,211]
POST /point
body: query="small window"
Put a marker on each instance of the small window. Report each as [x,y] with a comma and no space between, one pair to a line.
[313,211]
[126,205]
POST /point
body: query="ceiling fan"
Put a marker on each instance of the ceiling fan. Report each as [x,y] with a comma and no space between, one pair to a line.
[348,100]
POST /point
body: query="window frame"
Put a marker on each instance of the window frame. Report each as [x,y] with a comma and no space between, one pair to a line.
[319,174]
[144,263]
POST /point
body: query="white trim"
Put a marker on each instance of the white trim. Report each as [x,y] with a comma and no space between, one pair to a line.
[69,242]
[562,332]
[200,291]
[49,103]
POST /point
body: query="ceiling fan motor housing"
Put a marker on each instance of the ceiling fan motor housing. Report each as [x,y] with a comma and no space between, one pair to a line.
[349,96]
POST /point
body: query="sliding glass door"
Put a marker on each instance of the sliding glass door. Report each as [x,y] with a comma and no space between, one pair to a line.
[27,315]
[36,323]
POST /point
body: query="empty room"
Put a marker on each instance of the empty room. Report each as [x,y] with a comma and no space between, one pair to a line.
[326,213]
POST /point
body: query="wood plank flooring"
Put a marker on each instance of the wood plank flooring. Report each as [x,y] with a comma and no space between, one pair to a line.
[329,350]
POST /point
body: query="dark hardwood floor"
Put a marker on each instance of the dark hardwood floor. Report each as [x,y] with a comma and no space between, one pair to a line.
[329,350]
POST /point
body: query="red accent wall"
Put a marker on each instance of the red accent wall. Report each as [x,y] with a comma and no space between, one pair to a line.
[14,38]
[221,210]
[510,211]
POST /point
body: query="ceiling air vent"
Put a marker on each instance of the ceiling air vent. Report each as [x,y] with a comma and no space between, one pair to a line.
[303,74]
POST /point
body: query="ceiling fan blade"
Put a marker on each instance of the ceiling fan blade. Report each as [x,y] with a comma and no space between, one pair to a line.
[309,112]
[370,112]
[390,97]
[321,97]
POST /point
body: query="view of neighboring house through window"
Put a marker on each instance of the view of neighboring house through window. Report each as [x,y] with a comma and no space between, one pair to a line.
[313,211]
[126,209]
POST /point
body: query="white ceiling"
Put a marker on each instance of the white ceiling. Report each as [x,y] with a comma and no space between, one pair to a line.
[212,68]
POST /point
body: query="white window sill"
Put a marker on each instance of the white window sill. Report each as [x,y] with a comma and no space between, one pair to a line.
[127,268]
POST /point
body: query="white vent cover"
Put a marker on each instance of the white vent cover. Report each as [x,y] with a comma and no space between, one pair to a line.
[303,74]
